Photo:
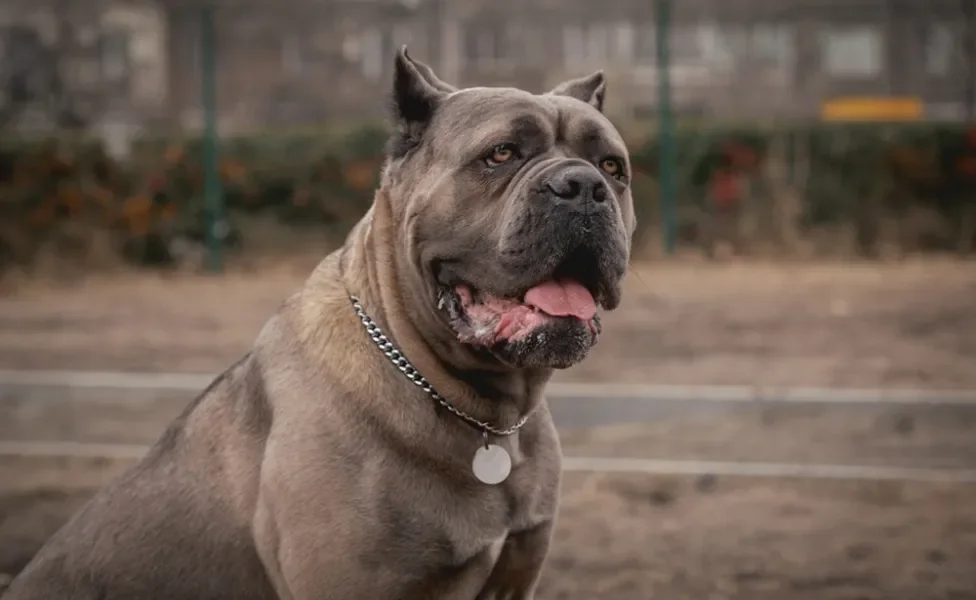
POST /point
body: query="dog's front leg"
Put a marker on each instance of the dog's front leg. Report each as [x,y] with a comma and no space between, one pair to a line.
[516,574]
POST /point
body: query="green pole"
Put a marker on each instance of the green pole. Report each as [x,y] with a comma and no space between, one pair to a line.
[213,200]
[667,166]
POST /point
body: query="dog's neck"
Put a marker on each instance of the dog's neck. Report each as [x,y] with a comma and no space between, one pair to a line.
[371,270]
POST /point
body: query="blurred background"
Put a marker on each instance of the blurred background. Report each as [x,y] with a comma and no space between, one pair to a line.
[783,407]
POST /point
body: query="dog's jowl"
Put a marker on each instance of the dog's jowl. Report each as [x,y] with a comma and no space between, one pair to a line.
[387,436]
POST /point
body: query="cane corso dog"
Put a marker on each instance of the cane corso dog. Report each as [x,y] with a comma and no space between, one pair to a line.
[387,436]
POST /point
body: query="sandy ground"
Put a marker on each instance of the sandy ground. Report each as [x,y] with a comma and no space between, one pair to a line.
[626,537]
[634,537]
[639,537]
[907,324]
[912,436]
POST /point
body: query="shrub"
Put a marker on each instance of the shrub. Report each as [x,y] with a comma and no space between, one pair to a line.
[839,176]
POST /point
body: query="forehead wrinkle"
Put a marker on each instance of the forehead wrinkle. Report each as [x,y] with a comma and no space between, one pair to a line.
[488,124]
[483,103]
[595,137]
[502,129]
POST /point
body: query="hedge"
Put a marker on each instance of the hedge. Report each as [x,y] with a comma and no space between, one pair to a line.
[847,176]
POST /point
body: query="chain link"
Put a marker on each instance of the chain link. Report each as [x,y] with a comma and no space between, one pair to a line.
[400,361]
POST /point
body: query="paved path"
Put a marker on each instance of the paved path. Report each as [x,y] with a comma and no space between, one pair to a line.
[825,430]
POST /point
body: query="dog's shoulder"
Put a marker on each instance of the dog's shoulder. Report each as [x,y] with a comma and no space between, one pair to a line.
[314,341]
[139,536]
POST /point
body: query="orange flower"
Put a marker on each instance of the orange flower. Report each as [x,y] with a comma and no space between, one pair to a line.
[139,225]
[102,196]
[966,164]
[41,216]
[174,154]
[137,206]
[740,156]
[725,188]
[70,200]
[359,175]
[301,197]
[169,211]
[157,182]
[232,171]
[971,138]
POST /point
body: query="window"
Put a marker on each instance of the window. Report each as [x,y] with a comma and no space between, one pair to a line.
[765,45]
[622,43]
[487,46]
[645,46]
[598,45]
[292,62]
[374,47]
[852,52]
[773,45]
[368,49]
[687,45]
[574,52]
[586,46]
[113,55]
[727,46]
[194,50]
[939,49]
[535,44]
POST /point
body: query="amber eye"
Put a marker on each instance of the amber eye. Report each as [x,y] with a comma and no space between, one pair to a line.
[501,153]
[612,166]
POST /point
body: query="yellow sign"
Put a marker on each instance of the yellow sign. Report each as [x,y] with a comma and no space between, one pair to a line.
[872,109]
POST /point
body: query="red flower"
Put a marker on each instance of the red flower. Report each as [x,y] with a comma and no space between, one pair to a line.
[157,183]
[725,188]
[971,138]
[740,156]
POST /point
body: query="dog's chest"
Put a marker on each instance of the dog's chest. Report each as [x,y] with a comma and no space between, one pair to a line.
[493,512]
[493,515]
[448,527]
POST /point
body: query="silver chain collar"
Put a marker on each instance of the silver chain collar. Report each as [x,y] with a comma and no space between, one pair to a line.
[400,361]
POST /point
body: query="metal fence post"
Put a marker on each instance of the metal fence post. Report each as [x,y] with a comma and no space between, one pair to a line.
[969,51]
[215,224]
[667,166]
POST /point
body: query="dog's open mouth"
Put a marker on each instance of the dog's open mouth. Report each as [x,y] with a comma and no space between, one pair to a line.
[483,319]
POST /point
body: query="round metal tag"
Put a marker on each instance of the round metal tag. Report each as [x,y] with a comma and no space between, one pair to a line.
[491,464]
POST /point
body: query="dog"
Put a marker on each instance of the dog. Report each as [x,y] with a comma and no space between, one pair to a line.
[387,435]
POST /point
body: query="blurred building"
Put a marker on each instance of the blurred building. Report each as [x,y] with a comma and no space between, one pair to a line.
[295,62]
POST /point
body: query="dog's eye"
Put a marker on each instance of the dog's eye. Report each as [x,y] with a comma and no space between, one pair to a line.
[501,153]
[612,166]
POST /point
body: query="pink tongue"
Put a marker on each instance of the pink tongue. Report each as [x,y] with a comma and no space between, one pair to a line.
[562,299]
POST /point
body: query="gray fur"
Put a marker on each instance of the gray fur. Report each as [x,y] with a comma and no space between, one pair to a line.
[313,468]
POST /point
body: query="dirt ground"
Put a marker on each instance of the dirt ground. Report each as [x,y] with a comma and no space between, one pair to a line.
[635,537]
[667,538]
[621,537]
[910,324]
[907,436]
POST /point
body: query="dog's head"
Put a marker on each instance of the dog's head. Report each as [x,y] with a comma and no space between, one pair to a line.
[513,212]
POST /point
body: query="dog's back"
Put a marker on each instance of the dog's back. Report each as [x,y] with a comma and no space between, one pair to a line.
[168,529]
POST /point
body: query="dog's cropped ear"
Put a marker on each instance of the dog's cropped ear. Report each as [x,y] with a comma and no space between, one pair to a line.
[428,74]
[417,92]
[589,89]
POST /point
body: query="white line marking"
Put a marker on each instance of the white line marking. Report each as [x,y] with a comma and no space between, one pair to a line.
[767,470]
[37,449]
[190,382]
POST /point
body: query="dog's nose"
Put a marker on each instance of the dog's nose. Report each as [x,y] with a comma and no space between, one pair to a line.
[578,184]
